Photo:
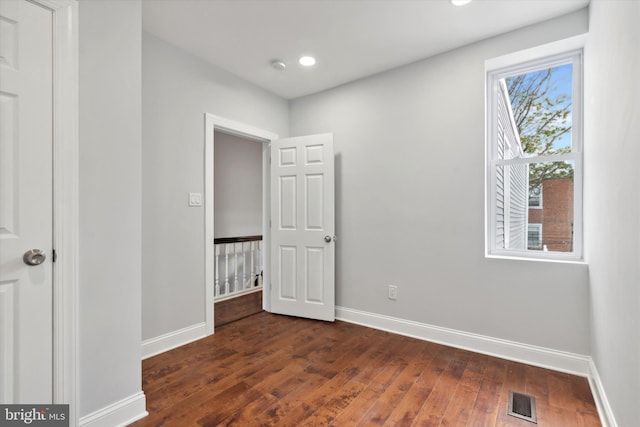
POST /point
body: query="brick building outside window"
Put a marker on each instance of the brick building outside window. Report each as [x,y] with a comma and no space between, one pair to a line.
[555,216]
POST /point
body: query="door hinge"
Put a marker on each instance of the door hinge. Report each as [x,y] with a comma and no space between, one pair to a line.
[54,255]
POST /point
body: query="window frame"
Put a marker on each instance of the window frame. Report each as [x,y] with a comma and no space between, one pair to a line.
[538,226]
[546,56]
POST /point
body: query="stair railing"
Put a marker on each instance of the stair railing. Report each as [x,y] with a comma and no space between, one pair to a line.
[238,266]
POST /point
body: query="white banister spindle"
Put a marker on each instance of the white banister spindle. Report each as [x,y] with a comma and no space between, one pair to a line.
[259,263]
[217,288]
[235,268]
[253,270]
[226,269]
[241,273]
[244,266]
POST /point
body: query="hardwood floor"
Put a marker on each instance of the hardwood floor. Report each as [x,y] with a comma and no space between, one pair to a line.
[230,310]
[270,370]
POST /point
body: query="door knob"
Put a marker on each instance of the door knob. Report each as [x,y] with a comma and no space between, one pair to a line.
[328,238]
[34,257]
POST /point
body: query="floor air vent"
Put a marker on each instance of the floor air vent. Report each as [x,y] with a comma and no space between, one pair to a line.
[522,406]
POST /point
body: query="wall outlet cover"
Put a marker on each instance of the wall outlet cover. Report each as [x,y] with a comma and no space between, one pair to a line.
[393,292]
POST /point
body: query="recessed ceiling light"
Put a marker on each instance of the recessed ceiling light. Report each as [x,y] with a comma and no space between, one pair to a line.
[307,61]
[278,65]
[459,2]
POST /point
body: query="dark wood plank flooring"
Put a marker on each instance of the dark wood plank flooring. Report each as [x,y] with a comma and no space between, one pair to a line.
[270,370]
[230,310]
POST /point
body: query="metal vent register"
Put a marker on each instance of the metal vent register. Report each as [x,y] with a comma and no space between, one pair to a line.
[522,406]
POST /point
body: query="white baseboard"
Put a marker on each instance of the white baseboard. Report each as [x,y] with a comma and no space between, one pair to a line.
[602,403]
[121,413]
[532,355]
[166,342]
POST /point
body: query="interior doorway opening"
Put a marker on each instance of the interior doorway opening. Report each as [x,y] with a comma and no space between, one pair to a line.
[238,240]
[298,194]
[239,138]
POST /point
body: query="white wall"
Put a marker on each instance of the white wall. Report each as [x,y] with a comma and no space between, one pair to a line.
[177,90]
[410,201]
[612,200]
[109,192]
[238,186]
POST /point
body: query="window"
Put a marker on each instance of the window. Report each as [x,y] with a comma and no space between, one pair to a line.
[534,149]
[534,236]
[535,196]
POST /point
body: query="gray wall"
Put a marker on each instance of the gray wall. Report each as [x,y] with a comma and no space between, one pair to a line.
[177,90]
[110,191]
[612,201]
[410,201]
[238,186]
[409,146]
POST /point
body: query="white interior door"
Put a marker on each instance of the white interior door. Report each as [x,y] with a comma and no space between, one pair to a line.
[26,95]
[303,227]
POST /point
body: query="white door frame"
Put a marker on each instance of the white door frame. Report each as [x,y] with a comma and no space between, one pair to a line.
[213,123]
[65,202]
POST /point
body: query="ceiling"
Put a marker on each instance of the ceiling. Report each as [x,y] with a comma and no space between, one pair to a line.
[351,39]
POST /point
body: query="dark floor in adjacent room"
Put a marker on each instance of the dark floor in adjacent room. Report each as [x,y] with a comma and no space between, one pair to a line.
[233,309]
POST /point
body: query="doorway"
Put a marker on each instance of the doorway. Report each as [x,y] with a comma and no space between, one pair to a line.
[238,213]
[234,132]
[300,201]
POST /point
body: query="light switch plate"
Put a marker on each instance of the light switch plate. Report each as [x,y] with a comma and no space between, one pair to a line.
[195,199]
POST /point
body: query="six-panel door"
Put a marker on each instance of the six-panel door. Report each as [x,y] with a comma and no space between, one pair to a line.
[303,227]
[26,216]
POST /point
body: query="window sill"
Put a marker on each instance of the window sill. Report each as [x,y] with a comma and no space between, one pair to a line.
[514,257]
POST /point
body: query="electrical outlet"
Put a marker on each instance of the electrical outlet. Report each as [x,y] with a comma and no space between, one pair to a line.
[393,292]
